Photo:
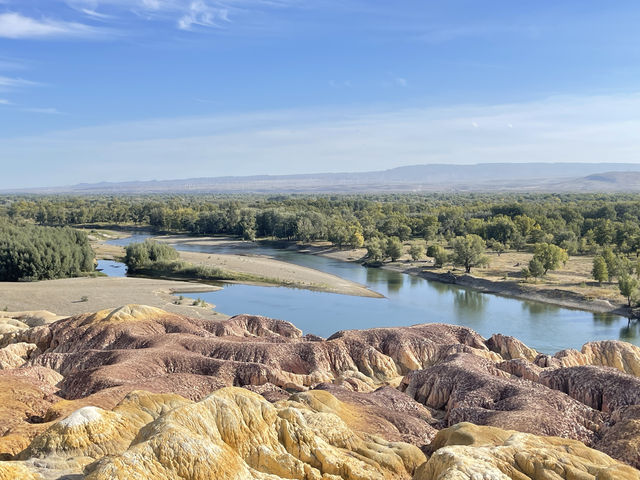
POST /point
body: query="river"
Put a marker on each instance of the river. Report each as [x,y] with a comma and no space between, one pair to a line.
[408,300]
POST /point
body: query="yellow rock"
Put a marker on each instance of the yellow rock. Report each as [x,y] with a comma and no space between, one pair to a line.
[237,434]
[90,433]
[126,313]
[608,353]
[469,452]
[17,471]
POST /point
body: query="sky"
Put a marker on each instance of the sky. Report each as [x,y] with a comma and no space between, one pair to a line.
[115,90]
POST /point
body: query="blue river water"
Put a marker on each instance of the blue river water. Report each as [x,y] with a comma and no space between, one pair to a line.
[408,300]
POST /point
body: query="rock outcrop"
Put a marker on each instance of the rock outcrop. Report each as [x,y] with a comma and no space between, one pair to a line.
[231,434]
[145,348]
[137,392]
[601,388]
[621,437]
[16,355]
[469,452]
[471,389]
[609,353]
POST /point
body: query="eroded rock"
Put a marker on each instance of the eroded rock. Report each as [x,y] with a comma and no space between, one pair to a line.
[470,452]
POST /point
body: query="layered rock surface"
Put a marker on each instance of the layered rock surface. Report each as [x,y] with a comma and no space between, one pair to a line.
[470,452]
[139,392]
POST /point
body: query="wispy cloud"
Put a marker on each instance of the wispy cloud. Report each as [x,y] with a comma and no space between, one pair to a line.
[96,15]
[45,111]
[17,26]
[201,14]
[186,15]
[588,129]
[442,33]
[4,101]
[7,83]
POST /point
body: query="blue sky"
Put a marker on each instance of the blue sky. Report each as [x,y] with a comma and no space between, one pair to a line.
[95,90]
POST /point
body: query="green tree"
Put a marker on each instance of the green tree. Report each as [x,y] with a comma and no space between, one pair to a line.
[525,224]
[416,250]
[536,268]
[432,250]
[628,286]
[144,254]
[611,260]
[468,251]
[497,246]
[356,240]
[599,271]
[440,257]
[394,248]
[376,249]
[30,252]
[551,257]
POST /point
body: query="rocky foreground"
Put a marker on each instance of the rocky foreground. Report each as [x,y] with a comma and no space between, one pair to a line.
[138,392]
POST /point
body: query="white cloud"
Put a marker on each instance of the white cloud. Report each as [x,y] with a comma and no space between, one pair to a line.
[7,83]
[94,14]
[443,33]
[4,101]
[587,129]
[17,26]
[46,111]
[200,14]
[185,14]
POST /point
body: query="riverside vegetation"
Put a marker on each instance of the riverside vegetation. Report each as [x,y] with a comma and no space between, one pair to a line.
[158,259]
[453,229]
[150,258]
[31,252]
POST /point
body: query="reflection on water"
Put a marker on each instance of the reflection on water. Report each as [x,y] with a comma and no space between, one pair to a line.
[395,283]
[409,300]
[376,276]
[631,332]
[605,318]
[539,308]
[469,302]
[440,287]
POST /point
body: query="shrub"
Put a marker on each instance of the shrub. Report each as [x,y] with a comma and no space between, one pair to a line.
[145,254]
[30,252]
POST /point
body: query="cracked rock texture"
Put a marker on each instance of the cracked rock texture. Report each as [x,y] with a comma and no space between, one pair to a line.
[470,452]
[137,392]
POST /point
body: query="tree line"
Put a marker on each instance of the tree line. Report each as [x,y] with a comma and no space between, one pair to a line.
[577,223]
[31,252]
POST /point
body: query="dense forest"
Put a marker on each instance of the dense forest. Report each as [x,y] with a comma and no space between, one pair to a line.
[31,252]
[578,223]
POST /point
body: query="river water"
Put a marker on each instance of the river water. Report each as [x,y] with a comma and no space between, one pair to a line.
[408,300]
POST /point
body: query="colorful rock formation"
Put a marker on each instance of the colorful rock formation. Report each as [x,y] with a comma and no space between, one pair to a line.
[137,392]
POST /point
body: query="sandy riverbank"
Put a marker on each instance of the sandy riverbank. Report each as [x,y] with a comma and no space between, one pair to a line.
[552,296]
[65,296]
[567,290]
[276,271]
[568,294]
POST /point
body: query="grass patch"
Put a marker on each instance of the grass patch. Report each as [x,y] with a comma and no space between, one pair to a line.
[184,270]
[93,274]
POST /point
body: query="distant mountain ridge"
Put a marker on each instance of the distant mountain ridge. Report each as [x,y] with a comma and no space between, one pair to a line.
[486,177]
